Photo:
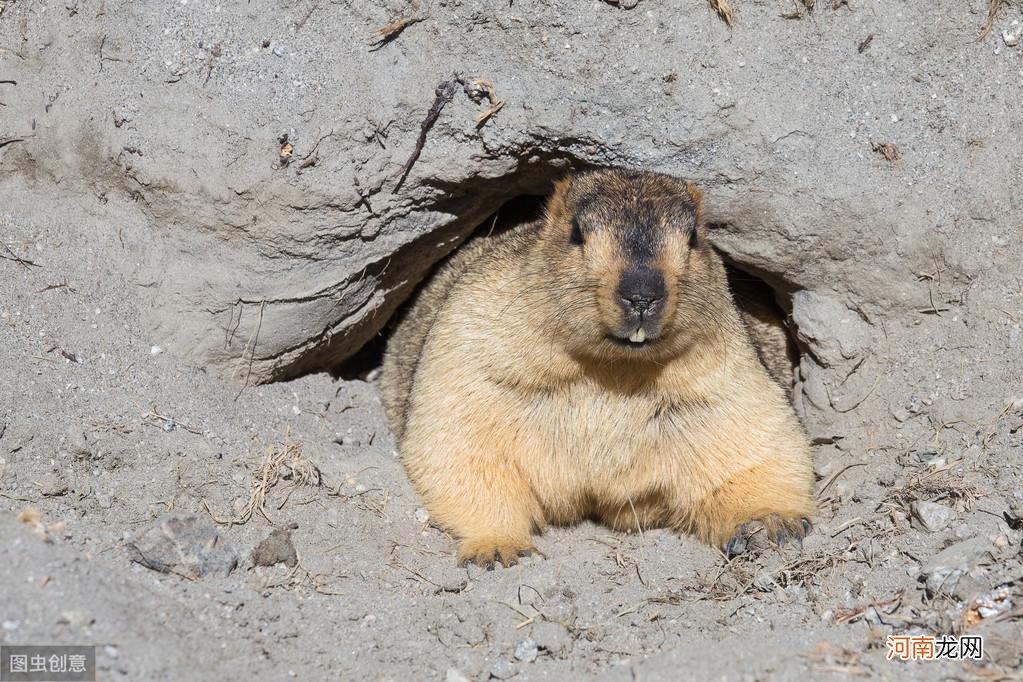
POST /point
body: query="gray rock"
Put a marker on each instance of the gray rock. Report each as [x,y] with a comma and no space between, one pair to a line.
[764,580]
[526,650]
[1014,515]
[186,545]
[942,572]
[503,670]
[915,404]
[275,549]
[968,587]
[52,485]
[932,516]
[1011,36]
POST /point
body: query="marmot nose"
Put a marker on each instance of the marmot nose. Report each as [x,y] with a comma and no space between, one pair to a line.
[641,289]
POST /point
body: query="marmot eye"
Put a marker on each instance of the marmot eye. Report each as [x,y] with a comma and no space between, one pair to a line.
[577,234]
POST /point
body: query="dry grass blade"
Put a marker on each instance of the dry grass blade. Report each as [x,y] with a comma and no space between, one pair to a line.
[10,255]
[283,461]
[479,89]
[888,606]
[745,577]
[935,486]
[724,10]
[300,576]
[161,420]
[392,30]
[992,13]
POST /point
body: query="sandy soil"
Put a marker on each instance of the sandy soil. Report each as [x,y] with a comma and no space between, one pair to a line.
[106,442]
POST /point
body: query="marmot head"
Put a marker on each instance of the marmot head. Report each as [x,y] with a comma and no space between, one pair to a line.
[628,265]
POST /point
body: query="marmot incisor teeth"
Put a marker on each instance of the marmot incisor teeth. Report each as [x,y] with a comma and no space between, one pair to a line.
[593,365]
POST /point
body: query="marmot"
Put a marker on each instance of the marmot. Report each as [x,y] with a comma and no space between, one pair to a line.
[593,364]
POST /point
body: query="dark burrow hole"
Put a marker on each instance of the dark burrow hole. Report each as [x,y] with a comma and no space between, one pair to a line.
[521,209]
[757,300]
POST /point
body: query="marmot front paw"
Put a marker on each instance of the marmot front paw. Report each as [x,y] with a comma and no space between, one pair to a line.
[484,551]
[761,533]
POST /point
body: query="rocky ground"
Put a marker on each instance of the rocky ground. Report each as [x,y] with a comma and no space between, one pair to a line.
[159,500]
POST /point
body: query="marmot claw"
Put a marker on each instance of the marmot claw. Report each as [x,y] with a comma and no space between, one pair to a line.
[760,533]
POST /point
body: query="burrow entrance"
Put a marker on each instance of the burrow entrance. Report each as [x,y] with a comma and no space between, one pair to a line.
[761,305]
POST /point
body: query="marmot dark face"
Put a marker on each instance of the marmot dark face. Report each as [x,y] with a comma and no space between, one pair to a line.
[631,269]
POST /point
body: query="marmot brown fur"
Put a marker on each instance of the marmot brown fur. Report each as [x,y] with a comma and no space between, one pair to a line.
[593,365]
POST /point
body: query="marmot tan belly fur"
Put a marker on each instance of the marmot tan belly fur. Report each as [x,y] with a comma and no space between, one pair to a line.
[593,365]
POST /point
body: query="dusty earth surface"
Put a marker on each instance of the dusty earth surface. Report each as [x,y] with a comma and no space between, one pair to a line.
[165,252]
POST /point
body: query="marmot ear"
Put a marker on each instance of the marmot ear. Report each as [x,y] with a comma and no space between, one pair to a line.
[697,198]
[556,204]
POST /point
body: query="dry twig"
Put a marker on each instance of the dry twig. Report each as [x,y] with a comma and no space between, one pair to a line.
[442,95]
[393,29]
[284,460]
[992,13]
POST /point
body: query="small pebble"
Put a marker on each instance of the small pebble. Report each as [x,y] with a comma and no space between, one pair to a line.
[52,486]
[9,625]
[422,516]
[277,548]
[155,350]
[502,670]
[455,676]
[932,516]
[1011,36]
[279,51]
[526,650]
[75,619]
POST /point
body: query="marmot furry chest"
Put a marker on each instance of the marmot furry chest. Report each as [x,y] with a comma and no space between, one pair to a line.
[593,364]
